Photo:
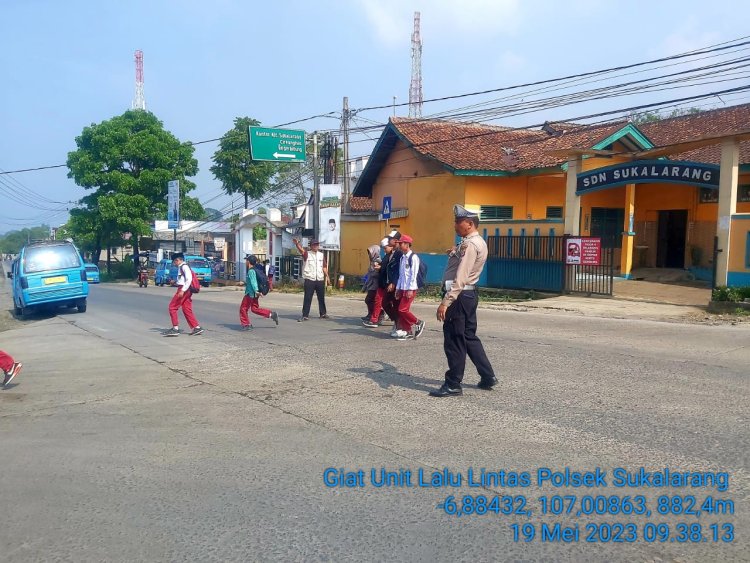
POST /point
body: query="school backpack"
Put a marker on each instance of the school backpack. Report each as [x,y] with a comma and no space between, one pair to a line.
[262,279]
[195,285]
[271,270]
[421,274]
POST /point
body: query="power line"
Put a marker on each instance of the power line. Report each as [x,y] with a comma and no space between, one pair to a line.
[710,49]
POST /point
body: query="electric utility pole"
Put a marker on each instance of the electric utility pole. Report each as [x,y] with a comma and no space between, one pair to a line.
[316,188]
[345,126]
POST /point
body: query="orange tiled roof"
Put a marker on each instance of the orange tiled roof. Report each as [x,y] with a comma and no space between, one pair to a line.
[708,123]
[359,204]
[467,147]
[463,146]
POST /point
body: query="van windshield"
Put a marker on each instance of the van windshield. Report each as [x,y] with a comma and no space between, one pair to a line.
[198,263]
[45,258]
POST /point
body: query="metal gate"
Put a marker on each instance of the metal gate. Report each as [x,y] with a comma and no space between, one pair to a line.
[593,280]
[288,267]
[521,262]
[538,263]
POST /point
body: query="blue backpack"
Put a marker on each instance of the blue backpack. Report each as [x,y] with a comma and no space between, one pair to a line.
[262,279]
[421,274]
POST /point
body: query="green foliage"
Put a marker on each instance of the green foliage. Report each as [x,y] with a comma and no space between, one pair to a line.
[13,241]
[211,214]
[119,271]
[127,162]
[259,232]
[651,116]
[732,294]
[234,168]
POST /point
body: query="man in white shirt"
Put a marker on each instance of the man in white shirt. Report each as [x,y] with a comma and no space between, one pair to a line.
[315,274]
[406,291]
[183,299]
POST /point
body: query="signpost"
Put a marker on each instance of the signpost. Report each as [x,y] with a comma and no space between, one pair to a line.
[387,207]
[277,145]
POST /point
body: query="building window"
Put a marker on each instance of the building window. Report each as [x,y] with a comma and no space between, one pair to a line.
[495,212]
[607,224]
[555,212]
[707,195]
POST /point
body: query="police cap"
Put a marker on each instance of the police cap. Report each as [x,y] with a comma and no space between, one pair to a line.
[460,212]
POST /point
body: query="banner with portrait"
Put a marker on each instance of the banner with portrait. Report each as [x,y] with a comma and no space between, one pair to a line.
[329,226]
[173,204]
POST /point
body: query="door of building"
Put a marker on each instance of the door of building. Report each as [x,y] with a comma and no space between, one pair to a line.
[671,235]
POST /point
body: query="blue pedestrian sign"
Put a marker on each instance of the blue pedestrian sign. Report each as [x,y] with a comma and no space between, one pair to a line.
[387,207]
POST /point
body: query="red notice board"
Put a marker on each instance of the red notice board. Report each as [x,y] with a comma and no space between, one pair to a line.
[586,251]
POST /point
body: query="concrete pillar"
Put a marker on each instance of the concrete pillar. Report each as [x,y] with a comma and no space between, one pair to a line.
[628,235]
[572,201]
[730,156]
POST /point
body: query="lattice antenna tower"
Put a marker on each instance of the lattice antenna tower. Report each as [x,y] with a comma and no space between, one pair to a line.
[415,88]
[139,102]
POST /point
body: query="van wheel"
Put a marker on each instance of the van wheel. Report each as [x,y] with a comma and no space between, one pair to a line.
[82,307]
[18,311]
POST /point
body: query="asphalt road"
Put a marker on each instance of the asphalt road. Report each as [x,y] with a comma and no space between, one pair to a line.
[120,444]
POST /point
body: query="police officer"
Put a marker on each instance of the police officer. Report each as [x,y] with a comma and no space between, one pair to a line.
[458,309]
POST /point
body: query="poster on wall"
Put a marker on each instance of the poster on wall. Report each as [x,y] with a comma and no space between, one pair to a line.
[329,230]
[173,204]
[586,251]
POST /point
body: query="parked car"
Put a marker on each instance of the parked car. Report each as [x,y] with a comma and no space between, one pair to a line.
[201,268]
[165,273]
[48,274]
[92,273]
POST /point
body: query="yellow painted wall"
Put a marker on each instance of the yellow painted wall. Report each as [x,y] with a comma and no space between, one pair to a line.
[528,195]
[431,218]
[545,191]
[498,190]
[738,242]
[356,236]
[402,166]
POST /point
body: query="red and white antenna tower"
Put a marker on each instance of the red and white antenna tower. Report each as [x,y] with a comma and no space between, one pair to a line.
[415,88]
[139,102]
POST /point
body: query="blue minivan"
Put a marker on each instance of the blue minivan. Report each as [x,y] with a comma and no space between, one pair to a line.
[92,273]
[48,274]
[201,268]
[163,273]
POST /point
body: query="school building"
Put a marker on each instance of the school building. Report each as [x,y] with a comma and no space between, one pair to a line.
[663,194]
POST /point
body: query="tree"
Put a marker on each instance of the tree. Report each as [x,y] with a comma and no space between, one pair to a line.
[234,168]
[127,162]
[12,241]
[211,214]
[651,116]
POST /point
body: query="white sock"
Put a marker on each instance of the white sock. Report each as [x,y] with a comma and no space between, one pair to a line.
[176,327]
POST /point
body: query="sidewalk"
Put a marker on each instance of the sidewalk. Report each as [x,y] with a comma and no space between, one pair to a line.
[632,300]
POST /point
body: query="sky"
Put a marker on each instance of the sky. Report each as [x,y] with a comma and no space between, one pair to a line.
[67,65]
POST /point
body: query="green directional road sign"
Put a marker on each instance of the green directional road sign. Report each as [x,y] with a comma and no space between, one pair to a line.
[277,145]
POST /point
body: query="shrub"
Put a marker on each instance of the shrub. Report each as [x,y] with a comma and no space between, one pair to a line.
[732,294]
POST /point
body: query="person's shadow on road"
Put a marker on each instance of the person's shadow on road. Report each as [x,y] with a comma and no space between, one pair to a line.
[388,375]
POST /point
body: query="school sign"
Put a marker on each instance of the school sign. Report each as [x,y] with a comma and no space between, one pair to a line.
[649,171]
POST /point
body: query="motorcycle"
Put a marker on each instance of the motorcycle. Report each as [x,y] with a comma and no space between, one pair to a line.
[143,278]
